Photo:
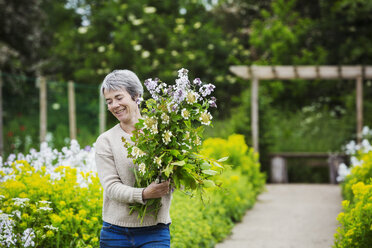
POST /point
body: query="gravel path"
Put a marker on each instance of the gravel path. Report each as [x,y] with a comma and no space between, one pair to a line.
[289,216]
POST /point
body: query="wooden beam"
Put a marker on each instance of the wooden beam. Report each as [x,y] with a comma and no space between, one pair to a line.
[43,108]
[72,110]
[1,117]
[303,72]
[359,108]
[254,113]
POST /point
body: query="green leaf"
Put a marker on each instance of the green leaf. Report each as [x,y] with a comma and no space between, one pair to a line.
[205,166]
[179,163]
[209,183]
[223,159]
[217,165]
[210,172]
[175,153]
[168,170]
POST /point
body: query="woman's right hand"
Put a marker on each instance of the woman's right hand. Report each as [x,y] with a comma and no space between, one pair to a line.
[156,190]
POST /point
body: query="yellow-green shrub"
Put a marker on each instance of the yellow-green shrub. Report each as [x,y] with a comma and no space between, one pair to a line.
[362,173]
[241,157]
[356,220]
[75,210]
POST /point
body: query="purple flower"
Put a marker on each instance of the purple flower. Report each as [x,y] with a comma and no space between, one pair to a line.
[206,89]
[139,100]
[197,81]
[87,148]
[174,108]
[150,84]
[182,72]
[212,103]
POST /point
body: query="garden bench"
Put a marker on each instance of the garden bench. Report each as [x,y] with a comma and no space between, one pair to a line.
[278,164]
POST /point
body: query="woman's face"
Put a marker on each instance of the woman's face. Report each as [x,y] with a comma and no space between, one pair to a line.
[121,105]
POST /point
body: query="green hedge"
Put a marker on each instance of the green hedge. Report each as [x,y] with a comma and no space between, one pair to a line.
[57,201]
[355,228]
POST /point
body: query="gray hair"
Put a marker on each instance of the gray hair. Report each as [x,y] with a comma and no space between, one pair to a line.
[123,79]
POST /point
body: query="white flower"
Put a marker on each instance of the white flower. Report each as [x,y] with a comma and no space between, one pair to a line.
[101,49]
[137,47]
[164,118]
[192,97]
[185,113]
[17,213]
[82,30]
[167,137]
[365,131]
[149,10]
[343,171]
[157,161]
[137,22]
[45,208]
[197,141]
[142,168]
[50,227]
[136,152]
[197,25]
[145,54]
[182,72]
[27,237]
[7,237]
[152,124]
[205,118]
[20,201]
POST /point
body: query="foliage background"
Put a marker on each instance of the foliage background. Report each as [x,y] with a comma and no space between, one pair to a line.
[82,40]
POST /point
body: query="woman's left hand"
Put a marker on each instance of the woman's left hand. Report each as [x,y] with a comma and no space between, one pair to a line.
[156,190]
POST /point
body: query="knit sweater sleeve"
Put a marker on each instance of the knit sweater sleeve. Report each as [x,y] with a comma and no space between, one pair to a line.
[113,186]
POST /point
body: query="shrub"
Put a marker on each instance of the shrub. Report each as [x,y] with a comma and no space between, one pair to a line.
[361,173]
[53,206]
[356,221]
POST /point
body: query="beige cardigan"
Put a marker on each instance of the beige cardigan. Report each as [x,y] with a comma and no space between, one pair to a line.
[117,179]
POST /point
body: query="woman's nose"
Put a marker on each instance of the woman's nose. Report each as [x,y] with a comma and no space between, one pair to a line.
[115,104]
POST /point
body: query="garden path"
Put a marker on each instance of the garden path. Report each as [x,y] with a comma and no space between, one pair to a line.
[289,215]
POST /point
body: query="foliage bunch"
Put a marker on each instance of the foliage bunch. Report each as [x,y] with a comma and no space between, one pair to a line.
[40,210]
[168,139]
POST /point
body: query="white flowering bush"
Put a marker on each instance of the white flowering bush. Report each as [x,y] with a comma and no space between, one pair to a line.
[81,159]
[168,138]
[355,151]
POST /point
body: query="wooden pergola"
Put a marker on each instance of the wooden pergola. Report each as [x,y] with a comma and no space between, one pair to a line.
[256,73]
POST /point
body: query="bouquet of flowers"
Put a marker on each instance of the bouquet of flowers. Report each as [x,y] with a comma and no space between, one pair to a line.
[167,139]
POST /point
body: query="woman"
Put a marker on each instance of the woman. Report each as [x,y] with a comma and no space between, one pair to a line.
[122,89]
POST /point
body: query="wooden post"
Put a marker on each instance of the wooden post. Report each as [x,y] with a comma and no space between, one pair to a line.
[1,117]
[254,113]
[102,114]
[71,110]
[43,107]
[359,108]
